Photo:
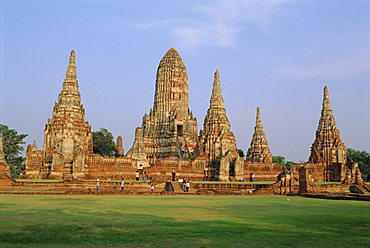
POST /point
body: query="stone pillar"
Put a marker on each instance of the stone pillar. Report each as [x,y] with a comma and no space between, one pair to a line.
[358,177]
[303,181]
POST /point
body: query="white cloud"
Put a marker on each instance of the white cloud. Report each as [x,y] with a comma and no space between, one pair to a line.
[191,23]
[222,21]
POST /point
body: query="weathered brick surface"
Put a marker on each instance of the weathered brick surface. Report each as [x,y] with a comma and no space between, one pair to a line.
[168,140]
[259,150]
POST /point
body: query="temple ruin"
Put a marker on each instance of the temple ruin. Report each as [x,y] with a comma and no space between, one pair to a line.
[168,139]
[328,148]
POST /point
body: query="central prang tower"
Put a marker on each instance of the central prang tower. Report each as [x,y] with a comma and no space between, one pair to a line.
[169,130]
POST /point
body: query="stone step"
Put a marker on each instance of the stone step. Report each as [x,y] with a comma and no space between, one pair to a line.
[177,187]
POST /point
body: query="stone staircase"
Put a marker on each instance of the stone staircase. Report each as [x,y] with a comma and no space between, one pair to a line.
[360,189]
[176,187]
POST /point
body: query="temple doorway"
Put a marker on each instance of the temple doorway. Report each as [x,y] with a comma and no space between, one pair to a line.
[232,168]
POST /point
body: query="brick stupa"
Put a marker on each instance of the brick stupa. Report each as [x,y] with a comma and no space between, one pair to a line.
[216,138]
[259,148]
[328,148]
[217,142]
[67,135]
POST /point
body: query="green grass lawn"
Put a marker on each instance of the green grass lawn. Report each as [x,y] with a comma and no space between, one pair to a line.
[181,221]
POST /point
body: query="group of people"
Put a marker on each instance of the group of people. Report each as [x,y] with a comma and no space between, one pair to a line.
[185,184]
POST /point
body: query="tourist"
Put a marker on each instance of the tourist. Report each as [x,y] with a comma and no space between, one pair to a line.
[173,175]
[152,188]
[137,175]
[187,186]
[122,183]
[97,185]
[251,177]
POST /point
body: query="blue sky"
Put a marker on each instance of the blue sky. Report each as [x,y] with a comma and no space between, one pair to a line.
[277,55]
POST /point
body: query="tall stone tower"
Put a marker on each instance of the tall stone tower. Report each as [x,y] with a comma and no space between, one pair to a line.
[259,148]
[5,172]
[328,147]
[216,138]
[169,130]
[217,142]
[119,145]
[67,134]
[2,155]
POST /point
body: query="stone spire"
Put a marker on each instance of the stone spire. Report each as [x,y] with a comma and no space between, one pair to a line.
[67,133]
[216,113]
[327,147]
[69,97]
[71,74]
[216,138]
[34,146]
[5,172]
[170,130]
[259,150]
[2,155]
[217,101]
[119,145]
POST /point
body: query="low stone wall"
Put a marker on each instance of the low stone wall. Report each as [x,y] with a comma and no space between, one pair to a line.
[232,188]
[77,187]
[332,188]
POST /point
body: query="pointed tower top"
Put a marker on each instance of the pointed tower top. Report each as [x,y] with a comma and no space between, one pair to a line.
[327,119]
[171,59]
[70,84]
[34,146]
[172,51]
[217,101]
[326,101]
[259,150]
[72,57]
[258,117]
[217,76]
[71,74]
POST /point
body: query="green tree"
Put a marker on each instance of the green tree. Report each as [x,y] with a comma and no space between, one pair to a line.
[363,160]
[103,143]
[279,160]
[241,153]
[12,149]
